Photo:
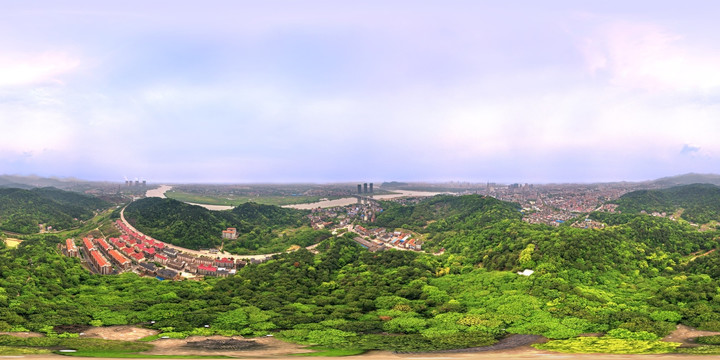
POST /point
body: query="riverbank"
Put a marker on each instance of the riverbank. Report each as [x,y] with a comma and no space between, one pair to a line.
[162,189]
[351,200]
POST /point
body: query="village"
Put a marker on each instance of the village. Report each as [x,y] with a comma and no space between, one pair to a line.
[146,256]
[376,239]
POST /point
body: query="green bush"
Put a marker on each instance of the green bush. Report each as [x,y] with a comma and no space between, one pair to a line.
[608,345]
[701,350]
[631,335]
[709,340]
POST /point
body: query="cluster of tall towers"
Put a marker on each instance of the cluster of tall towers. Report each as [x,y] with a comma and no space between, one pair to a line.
[135,183]
[365,186]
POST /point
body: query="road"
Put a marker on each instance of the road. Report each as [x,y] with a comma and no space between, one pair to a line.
[205,252]
[195,252]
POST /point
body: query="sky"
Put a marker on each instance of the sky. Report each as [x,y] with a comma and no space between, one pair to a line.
[329,91]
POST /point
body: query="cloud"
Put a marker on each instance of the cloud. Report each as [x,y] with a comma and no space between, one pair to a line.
[650,57]
[19,69]
[689,150]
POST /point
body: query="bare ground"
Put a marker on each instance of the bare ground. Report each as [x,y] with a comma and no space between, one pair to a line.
[124,332]
[272,348]
[687,335]
[24,334]
[269,347]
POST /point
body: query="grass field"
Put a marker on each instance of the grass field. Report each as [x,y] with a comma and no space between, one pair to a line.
[321,351]
[237,200]
[16,350]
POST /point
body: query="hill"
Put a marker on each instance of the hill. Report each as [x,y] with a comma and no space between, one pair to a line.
[687,179]
[490,233]
[700,202]
[261,228]
[447,212]
[27,182]
[22,210]
[636,280]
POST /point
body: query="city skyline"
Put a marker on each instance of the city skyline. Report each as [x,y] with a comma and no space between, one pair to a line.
[328,91]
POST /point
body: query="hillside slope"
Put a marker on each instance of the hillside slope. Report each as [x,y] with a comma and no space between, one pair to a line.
[194,227]
[22,210]
[701,202]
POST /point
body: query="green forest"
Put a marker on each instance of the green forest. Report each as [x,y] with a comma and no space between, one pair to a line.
[633,281]
[22,210]
[700,202]
[261,228]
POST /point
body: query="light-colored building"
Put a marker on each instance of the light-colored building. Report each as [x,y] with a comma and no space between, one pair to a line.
[230,233]
[71,247]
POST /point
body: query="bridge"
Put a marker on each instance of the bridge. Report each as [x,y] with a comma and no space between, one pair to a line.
[365,199]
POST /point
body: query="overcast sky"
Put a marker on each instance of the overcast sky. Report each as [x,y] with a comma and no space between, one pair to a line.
[250,91]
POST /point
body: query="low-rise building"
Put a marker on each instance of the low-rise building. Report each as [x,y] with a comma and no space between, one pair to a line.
[100,263]
[119,260]
[168,274]
[230,233]
[71,248]
[206,270]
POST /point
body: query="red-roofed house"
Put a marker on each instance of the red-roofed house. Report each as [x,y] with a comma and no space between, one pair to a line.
[100,263]
[71,248]
[104,246]
[224,263]
[119,260]
[206,270]
[89,246]
[137,256]
[161,258]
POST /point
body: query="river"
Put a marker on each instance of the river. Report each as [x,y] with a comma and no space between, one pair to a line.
[160,192]
[351,200]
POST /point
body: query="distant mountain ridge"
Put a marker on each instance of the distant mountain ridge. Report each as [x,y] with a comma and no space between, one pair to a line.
[29,182]
[701,202]
[687,179]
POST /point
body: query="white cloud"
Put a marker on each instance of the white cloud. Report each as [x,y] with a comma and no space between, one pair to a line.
[18,69]
[650,57]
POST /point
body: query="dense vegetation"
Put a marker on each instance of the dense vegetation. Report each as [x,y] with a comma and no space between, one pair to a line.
[700,202]
[633,281]
[22,210]
[446,212]
[261,228]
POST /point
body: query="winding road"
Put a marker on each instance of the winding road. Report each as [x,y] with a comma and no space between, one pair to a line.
[194,252]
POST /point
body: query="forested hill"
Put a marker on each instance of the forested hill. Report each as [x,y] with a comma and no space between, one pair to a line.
[700,202]
[262,228]
[490,233]
[22,210]
[637,279]
[446,212]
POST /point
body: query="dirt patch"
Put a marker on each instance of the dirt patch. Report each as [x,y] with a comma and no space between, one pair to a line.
[262,347]
[224,344]
[124,333]
[687,335]
[511,342]
[23,334]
